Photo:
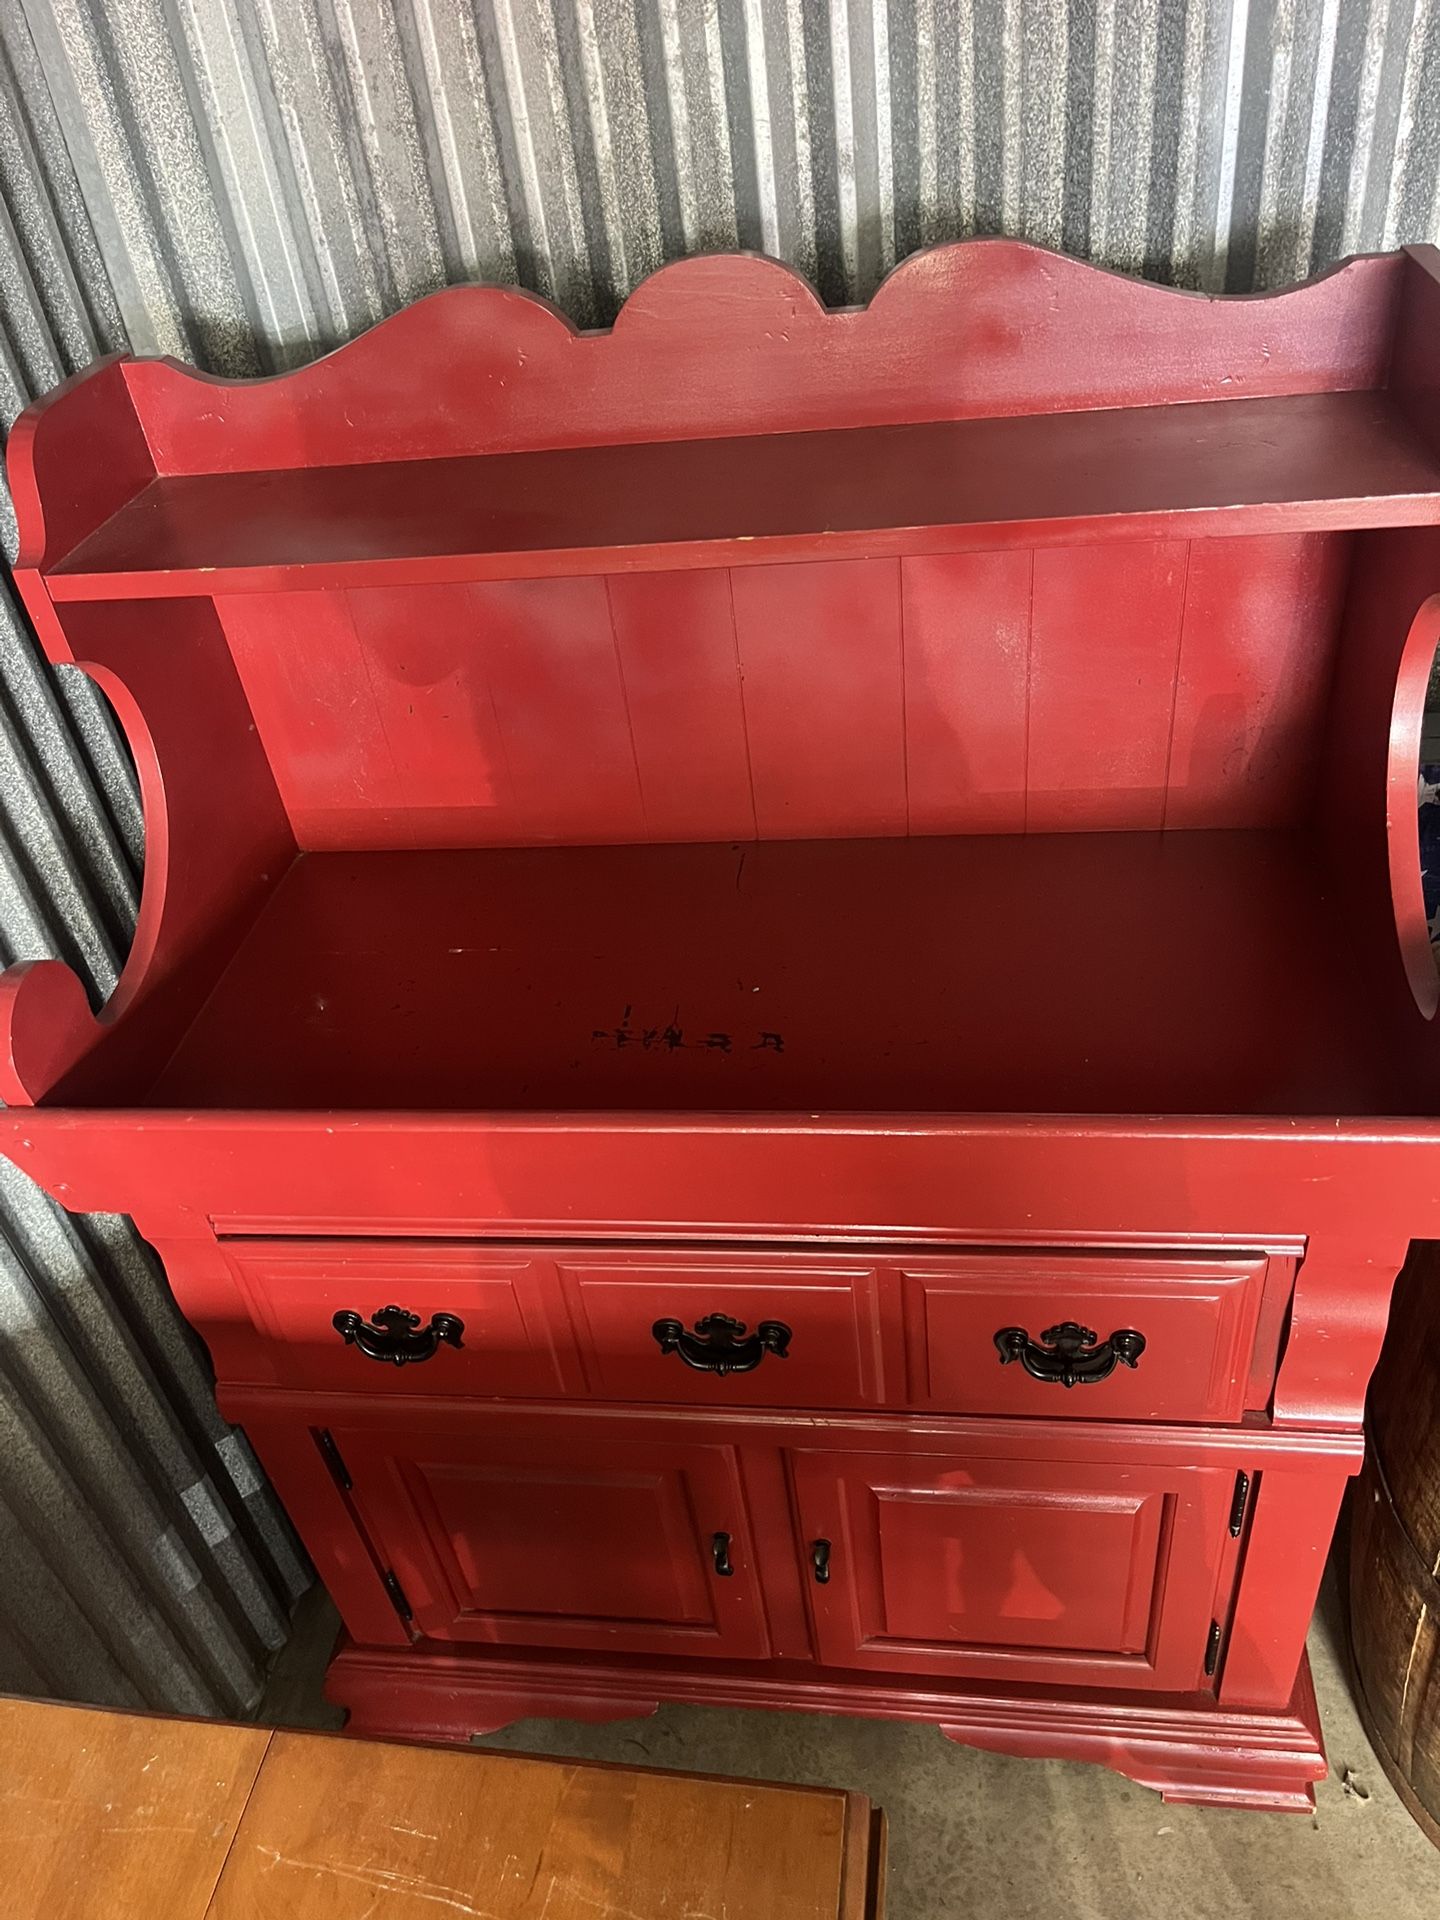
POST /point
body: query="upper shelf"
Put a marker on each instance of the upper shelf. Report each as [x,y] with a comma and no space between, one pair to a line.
[991,394]
[1296,463]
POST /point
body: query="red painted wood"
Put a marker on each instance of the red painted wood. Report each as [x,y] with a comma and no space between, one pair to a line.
[1407,891]
[1185,1748]
[1018,1180]
[1303,464]
[834,975]
[843,1317]
[1198,1318]
[820,655]
[1087,765]
[213,850]
[735,344]
[875,1329]
[682,706]
[1374,716]
[1091,1576]
[967,640]
[1414,371]
[555,1321]
[515,1339]
[1321,1451]
[579,1540]
[1257,657]
[685,702]
[928,849]
[325,1515]
[61,491]
[390,1436]
[1287,1542]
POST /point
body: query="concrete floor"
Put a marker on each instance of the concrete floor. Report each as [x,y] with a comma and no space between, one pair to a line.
[989,1838]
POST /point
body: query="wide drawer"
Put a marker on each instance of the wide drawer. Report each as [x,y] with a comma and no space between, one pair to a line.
[1096,1336]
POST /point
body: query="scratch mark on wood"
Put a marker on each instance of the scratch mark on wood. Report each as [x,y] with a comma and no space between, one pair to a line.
[381,1881]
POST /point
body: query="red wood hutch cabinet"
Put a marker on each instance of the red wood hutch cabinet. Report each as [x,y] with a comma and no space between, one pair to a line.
[782,1027]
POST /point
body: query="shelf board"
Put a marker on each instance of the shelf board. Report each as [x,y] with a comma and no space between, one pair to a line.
[1303,463]
[1060,973]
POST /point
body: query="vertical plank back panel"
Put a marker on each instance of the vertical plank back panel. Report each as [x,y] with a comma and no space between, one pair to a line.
[1256,660]
[675,634]
[435,718]
[1117,687]
[1104,645]
[824,696]
[317,714]
[967,688]
[559,702]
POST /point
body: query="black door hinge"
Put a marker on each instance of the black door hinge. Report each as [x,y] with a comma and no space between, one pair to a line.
[1212,1648]
[397,1595]
[1237,1505]
[339,1472]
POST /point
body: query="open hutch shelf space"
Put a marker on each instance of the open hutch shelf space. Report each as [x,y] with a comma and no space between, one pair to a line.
[769,861]
[1299,465]
[988,973]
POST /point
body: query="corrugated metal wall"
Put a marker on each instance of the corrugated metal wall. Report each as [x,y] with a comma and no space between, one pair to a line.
[248,182]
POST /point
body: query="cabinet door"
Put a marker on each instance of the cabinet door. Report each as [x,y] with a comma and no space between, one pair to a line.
[1035,1570]
[571,1540]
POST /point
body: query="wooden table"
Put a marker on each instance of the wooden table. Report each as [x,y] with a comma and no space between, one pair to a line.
[120,1815]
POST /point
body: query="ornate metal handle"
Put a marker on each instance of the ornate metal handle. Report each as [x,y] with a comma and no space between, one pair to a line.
[820,1562]
[720,1553]
[397,1336]
[720,1345]
[1070,1355]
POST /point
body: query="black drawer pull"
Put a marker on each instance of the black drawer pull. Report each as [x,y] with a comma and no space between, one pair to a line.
[720,1344]
[1070,1355]
[820,1562]
[397,1336]
[720,1553]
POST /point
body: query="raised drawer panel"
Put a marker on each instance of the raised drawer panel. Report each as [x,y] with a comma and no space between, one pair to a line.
[511,1340]
[1198,1320]
[834,1313]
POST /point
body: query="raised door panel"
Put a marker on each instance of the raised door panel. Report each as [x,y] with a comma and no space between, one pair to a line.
[1198,1319]
[1035,1570]
[511,1337]
[833,1312]
[573,1541]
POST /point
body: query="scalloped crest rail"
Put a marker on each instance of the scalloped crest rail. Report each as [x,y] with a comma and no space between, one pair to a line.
[892,824]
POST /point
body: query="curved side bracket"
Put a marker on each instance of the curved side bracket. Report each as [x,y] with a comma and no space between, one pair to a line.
[46,1023]
[1407,890]
[45,1026]
[216,842]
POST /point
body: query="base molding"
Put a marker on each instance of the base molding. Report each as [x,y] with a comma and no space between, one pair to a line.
[1187,1748]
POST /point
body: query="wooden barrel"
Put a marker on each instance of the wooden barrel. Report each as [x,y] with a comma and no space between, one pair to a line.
[1395,1547]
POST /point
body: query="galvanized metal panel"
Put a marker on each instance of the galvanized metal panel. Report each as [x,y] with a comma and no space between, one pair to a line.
[246,183]
[263,178]
[143,1559]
